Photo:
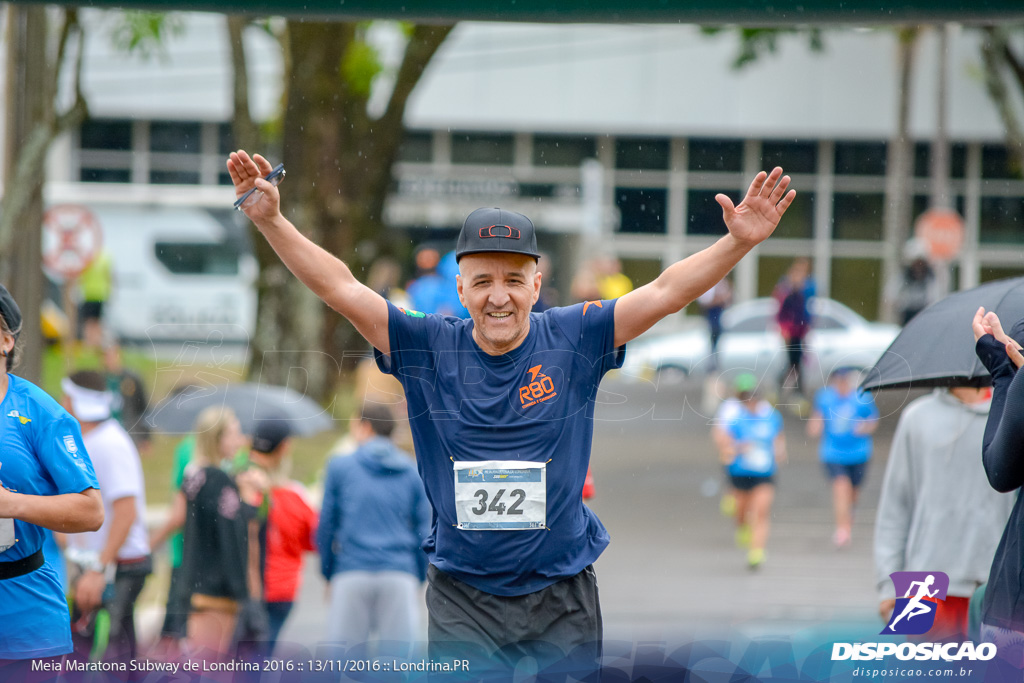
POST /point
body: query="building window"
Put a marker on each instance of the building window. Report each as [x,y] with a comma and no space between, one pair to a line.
[996,163]
[225,139]
[417,147]
[105,175]
[715,155]
[107,134]
[922,203]
[562,150]
[957,160]
[199,258]
[989,273]
[174,177]
[1002,220]
[793,157]
[483,148]
[175,136]
[798,223]
[705,214]
[860,158]
[857,216]
[642,210]
[857,282]
[771,269]
[641,271]
[637,154]
[542,190]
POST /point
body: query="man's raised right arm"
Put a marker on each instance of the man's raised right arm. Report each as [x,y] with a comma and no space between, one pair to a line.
[325,274]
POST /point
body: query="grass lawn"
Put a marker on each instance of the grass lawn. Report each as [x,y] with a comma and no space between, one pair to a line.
[160,376]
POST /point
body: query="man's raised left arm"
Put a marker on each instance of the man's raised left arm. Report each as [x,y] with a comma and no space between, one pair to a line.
[749,224]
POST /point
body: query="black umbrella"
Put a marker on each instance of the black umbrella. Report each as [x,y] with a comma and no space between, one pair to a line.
[936,348]
[251,402]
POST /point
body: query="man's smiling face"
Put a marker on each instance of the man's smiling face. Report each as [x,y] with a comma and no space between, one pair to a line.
[499,290]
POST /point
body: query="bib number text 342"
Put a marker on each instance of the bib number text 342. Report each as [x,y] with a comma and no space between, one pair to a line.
[500,495]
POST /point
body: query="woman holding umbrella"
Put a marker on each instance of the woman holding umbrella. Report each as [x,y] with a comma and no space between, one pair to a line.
[1003,455]
[46,482]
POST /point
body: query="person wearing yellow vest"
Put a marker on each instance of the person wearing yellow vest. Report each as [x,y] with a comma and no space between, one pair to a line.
[95,283]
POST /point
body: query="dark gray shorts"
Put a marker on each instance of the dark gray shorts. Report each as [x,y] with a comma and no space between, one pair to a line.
[559,627]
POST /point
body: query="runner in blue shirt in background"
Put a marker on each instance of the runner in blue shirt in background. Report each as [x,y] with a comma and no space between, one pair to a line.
[845,418]
[46,482]
[754,449]
[501,407]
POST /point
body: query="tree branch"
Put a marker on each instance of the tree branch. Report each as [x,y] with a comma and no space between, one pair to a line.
[244,131]
[1013,61]
[388,131]
[994,53]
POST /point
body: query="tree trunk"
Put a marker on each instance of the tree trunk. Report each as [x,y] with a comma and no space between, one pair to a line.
[31,126]
[272,293]
[899,155]
[339,173]
[28,107]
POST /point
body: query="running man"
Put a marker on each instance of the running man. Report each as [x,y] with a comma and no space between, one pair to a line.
[916,606]
[501,409]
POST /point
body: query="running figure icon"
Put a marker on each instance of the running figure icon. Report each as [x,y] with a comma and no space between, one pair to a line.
[915,606]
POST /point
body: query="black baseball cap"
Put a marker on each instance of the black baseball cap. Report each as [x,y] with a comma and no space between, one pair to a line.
[268,434]
[488,230]
[10,311]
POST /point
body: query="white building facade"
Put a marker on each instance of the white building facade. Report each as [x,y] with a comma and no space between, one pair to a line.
[514,115]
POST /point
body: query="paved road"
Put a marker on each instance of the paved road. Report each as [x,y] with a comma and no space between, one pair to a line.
[672,570]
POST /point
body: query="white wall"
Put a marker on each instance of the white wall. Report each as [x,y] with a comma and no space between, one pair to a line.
[674,80]
[669,80]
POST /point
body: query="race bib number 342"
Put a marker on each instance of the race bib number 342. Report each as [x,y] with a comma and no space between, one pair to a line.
[500,495]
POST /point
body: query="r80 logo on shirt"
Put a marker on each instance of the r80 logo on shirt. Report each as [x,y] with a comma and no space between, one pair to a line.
[539,389]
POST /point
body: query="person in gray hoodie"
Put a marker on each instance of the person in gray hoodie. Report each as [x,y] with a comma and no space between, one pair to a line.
[937,512]
[374,518]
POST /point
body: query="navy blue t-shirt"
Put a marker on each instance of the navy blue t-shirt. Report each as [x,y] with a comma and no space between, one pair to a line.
[534,404]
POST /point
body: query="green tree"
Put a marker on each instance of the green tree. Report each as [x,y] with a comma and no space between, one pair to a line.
[339,158]
[755,43]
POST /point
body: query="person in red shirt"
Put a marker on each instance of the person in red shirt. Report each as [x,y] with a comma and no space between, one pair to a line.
[288,524]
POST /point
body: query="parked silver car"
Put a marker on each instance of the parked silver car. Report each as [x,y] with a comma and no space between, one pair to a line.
[751,342]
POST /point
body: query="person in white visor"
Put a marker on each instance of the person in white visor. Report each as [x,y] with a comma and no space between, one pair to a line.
[108,566]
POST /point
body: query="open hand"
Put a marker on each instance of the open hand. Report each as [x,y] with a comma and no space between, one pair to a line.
[761,210]
[247,172]
[89,590]
[253,484]
[988,323]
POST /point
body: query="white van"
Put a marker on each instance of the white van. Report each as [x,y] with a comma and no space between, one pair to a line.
[180,273]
